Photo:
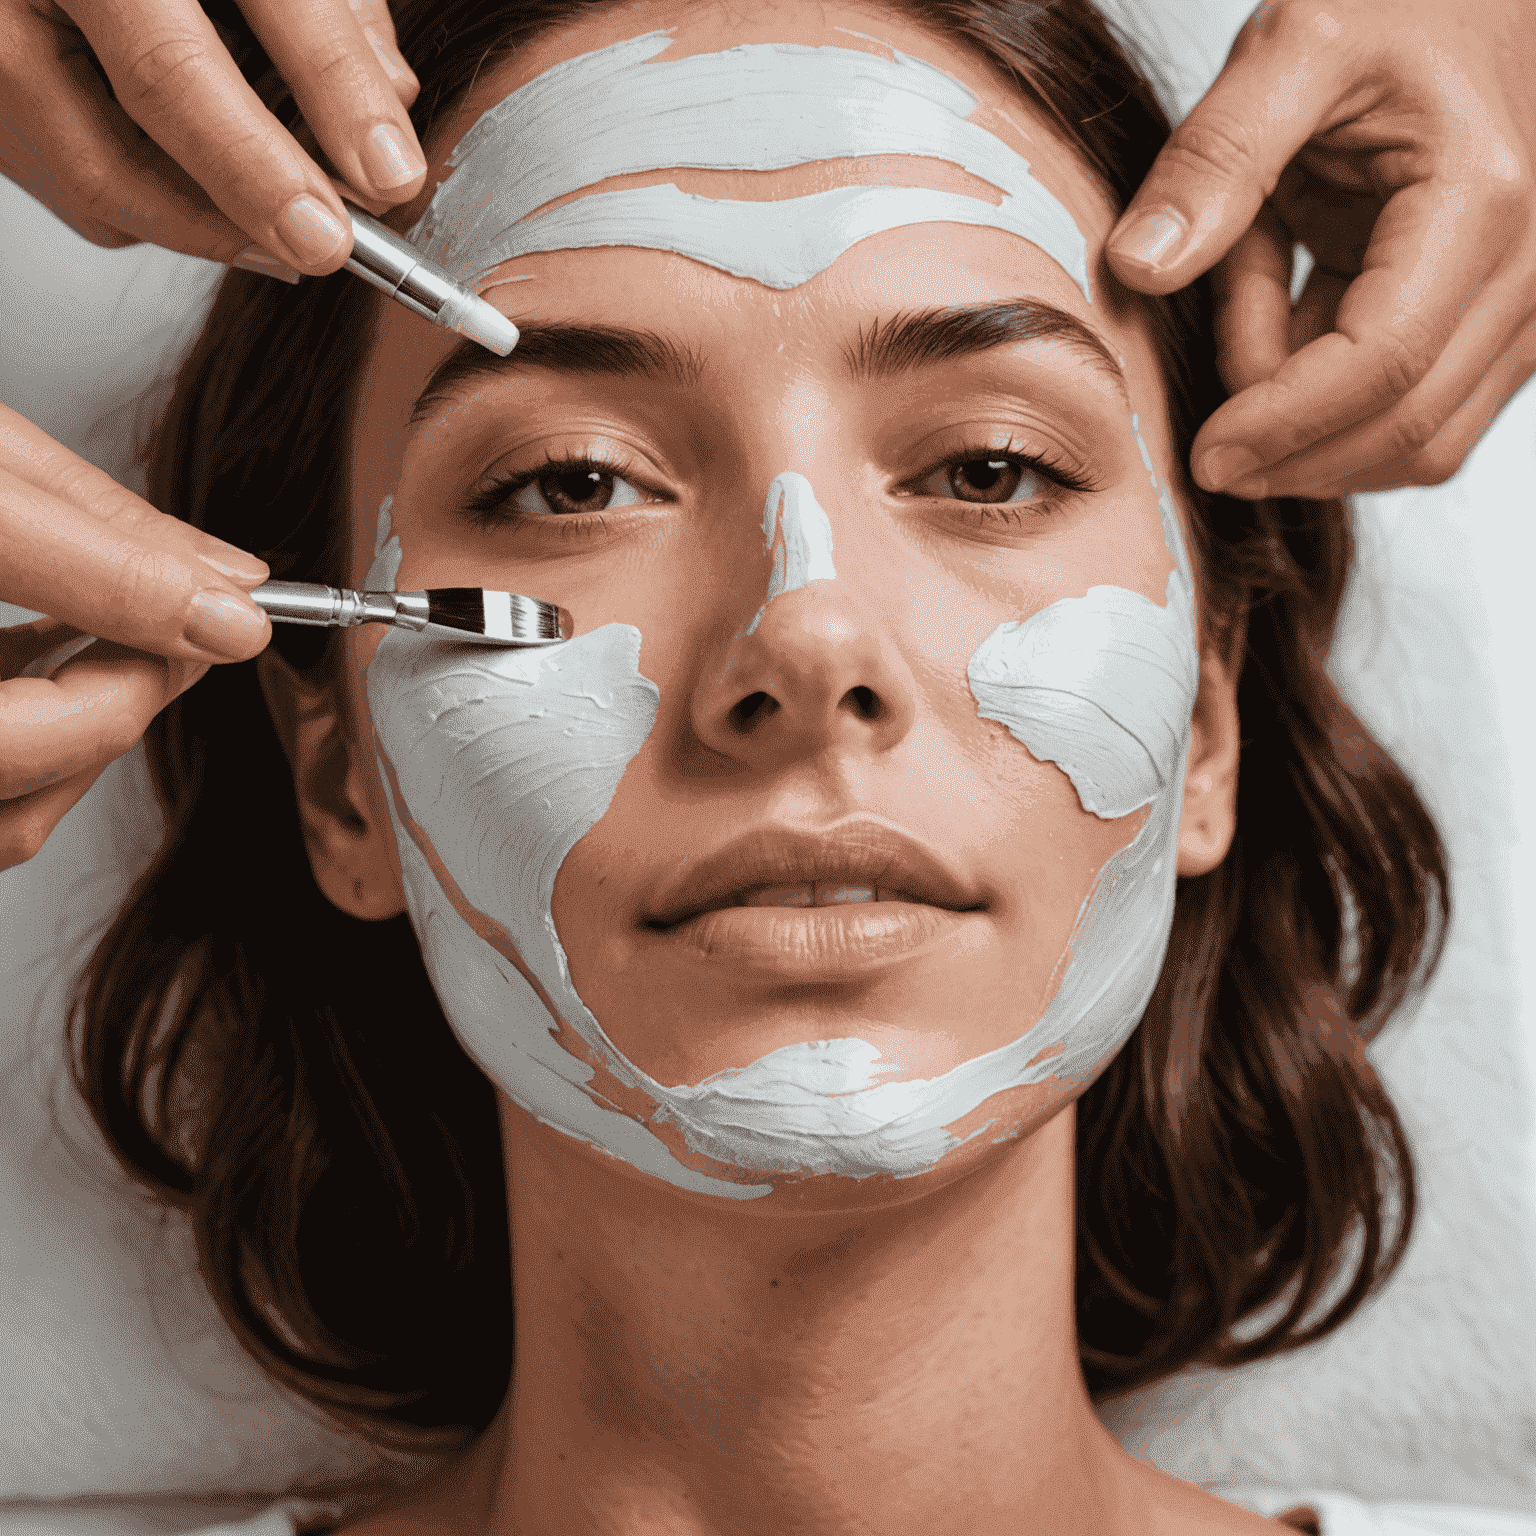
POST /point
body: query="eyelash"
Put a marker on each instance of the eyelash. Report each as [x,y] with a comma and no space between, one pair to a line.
[1059,474]
[488,507]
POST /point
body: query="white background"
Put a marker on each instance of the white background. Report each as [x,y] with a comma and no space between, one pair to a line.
[116,1377]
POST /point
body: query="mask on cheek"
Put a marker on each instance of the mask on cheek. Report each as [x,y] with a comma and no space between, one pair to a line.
[496,763]
[1104,686]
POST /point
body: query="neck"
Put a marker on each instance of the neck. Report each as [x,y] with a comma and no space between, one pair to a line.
[700,1366]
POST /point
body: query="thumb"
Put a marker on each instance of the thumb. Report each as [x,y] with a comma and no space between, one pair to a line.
[1210,180]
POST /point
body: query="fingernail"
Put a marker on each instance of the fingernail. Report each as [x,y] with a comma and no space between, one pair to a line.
[254,259]
[1153,239]
[224,625]
[1221,466]
[313,233]
[235,563]
[387,161]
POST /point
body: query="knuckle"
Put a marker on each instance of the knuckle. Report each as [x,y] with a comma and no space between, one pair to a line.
[341,68]
[93,189]
[121,737]
[257,164]
[1410,431]
[19,777]
[1211,142]
[1503,168]
[65,205]
[1510,182]
[1404,354]
[375,14]
[156,80]
[136,582]
[1278,21]
[108,239]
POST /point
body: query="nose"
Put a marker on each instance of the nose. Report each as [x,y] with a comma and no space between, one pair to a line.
[821,672]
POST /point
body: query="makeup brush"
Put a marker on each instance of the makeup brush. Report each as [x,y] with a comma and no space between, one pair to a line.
[447,613]
[391,263]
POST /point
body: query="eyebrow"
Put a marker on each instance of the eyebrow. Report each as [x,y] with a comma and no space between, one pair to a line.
[600,349]
[899,344]
[914,340]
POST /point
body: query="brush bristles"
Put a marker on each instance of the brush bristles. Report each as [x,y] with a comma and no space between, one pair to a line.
[495,615]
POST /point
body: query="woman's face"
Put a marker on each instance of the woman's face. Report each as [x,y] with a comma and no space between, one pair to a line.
[807,826]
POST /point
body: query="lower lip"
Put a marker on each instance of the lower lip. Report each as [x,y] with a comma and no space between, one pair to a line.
[819,943]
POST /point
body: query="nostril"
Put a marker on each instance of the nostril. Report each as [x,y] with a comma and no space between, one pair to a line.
[866,703]
[752,711]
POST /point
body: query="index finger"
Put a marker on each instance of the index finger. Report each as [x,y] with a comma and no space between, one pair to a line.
[333,55]
[1281,84]
[1428,257]
[85,550]
[173,76]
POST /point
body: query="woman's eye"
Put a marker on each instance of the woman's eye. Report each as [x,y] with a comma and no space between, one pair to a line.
[575,488]
[985,479]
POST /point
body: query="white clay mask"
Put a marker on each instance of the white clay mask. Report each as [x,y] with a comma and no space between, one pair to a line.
[497,763]
[798,534]
[762,106]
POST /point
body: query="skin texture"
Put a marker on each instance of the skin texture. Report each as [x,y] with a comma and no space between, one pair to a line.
[102,562]
[179,150]
[842,1355]
[1396,140]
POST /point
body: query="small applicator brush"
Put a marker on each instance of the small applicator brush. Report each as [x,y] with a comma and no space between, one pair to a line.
[391,263]
[470,614]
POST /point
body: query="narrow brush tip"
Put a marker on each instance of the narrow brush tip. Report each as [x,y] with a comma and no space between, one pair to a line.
[486,324]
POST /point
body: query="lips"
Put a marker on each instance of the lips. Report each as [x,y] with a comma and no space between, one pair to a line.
[822,893]
[852,863]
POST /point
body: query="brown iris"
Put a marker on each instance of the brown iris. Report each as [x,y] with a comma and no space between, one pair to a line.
[581,488]
[985,479]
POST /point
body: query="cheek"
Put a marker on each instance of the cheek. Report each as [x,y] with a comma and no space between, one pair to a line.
[1049,852]
[496,764]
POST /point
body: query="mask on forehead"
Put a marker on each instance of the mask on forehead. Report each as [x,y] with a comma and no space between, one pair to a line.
[758,107]
[497,763]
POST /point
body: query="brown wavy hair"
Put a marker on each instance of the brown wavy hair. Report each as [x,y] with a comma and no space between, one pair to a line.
[284,1072]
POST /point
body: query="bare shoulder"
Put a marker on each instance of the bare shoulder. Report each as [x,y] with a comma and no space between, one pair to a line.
[1182,1509]
[1207,1515]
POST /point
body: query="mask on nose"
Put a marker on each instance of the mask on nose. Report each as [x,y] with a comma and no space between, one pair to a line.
[497,763]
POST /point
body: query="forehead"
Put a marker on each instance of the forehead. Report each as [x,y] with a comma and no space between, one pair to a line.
[900,270]
[700,38]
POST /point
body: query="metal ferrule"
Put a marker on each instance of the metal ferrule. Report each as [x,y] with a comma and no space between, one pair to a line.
[301,602]
[395,266]
[411,609]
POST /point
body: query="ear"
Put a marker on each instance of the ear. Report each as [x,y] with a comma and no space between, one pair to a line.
[1209,818]
[350,849]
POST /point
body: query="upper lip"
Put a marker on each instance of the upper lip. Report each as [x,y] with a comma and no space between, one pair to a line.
[859,851]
